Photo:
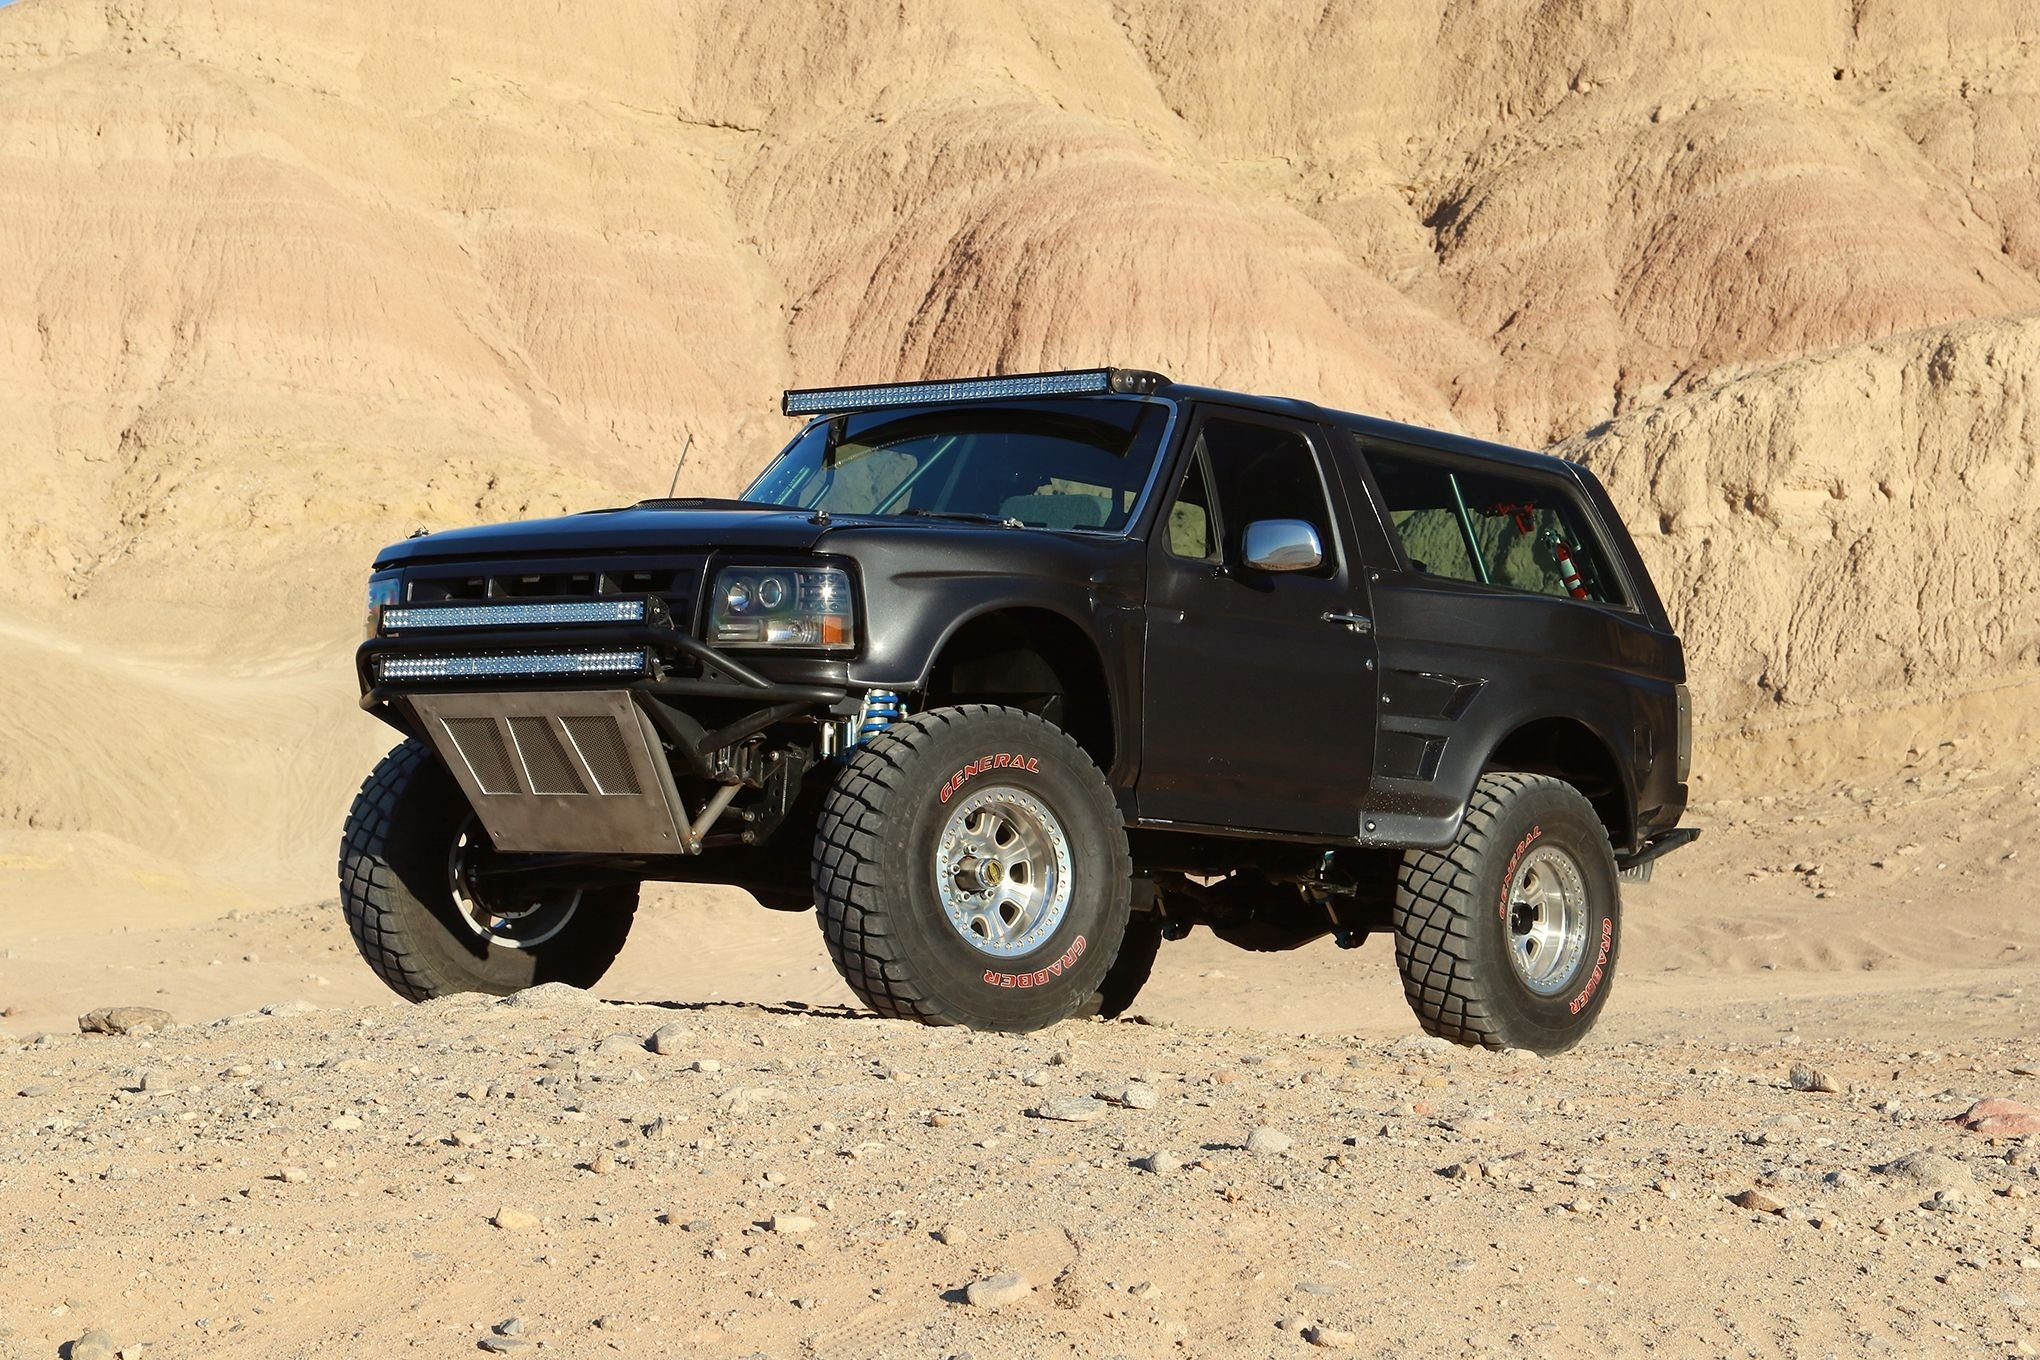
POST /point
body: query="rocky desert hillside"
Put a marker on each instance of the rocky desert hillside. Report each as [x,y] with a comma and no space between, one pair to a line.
[285,280]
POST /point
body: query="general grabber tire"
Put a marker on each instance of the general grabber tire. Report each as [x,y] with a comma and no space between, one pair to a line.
[1508,937]
[971,869]
[423,921]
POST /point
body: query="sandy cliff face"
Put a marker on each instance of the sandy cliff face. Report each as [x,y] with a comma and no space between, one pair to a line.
[286,280]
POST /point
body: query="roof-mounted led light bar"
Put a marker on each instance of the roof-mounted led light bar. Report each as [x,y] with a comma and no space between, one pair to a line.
[398,617]
[1080,382]
[626,661]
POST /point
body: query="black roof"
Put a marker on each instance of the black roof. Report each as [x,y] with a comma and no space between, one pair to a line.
[1105,383]
[1371,427]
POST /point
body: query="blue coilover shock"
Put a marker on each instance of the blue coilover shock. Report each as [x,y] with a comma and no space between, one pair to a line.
[881,710]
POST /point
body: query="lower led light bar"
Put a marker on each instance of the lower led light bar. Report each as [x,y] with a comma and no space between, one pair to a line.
[628,661]
[1082,382]
[395,617]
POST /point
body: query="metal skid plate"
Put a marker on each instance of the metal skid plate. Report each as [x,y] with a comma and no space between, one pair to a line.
[573,771]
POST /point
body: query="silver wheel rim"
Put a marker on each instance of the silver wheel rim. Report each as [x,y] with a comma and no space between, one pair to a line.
[524,926]
[1002,870]
[1547,919]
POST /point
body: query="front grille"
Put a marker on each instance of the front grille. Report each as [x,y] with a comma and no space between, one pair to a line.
[674,579]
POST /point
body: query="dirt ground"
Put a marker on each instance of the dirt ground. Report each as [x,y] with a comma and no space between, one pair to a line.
[305,1163]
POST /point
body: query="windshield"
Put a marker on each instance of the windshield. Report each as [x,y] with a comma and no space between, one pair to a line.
[1073,463]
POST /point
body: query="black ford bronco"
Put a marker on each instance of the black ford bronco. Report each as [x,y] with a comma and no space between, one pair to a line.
[1014,678]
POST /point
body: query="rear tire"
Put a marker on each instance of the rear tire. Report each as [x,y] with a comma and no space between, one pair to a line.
[971,869]
[1508,938]
[426,928]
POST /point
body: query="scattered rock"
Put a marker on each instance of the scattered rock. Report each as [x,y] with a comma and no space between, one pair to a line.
[1804,1078]
[666,1040]
[1928,1170]
[504,1345]
[1161,1162]
[511,1326]
[1267,1142]
[293,1175]
[603,1162]
[1146,1289]
[791,1223]
[1070,1109]
[1412,1045]
[1946,1202]
[94,1345]
[1330,1338]
[950,1235]
[514,1220]
[1137,1097]
[125,1020]
[708,1065]
[1757,1202]
[346,1123]
[551,996]
[2000,1118]
[996,1291]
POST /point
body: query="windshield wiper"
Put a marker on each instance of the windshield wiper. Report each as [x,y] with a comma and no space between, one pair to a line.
[968,516]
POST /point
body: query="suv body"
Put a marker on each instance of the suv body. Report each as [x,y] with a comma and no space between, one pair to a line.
[1293,641]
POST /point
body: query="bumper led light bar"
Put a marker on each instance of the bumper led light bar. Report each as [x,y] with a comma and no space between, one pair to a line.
[622,661]
[395,618]
[1082,382]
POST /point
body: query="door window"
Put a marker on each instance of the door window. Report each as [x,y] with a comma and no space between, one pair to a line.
[1493,528]
[1257,472]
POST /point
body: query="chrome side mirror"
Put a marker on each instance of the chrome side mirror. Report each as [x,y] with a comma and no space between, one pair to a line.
[1281,545]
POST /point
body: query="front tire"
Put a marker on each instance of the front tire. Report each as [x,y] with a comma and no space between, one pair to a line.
[430,923]
[971,869]
[1508,937]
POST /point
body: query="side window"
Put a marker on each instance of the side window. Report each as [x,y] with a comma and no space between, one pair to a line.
[1255,472]
[1193,534]
[1493,528]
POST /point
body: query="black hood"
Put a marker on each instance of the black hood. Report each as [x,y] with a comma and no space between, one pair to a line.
[650,527]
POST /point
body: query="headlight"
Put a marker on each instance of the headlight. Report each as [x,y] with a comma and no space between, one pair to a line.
[782,607]
[383,591]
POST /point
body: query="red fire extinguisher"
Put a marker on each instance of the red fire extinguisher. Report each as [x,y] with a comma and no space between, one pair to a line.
[1568,574]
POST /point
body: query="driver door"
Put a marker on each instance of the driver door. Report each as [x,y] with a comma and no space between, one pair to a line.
[1260,688]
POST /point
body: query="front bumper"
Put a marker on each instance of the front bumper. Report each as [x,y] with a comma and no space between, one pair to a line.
[559,760]
[573,771]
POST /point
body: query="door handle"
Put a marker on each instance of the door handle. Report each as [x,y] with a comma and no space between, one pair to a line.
[1355,623]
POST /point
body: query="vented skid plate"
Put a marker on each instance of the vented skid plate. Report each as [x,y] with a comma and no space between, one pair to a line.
[577,771]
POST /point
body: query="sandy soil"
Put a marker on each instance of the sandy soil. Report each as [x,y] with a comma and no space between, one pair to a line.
[270,1184]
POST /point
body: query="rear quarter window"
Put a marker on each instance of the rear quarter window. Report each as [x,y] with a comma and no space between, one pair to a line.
[1494,528]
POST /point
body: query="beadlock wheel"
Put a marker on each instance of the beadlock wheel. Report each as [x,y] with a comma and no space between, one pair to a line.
[1547,919]
[521,922]
[1002,869]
